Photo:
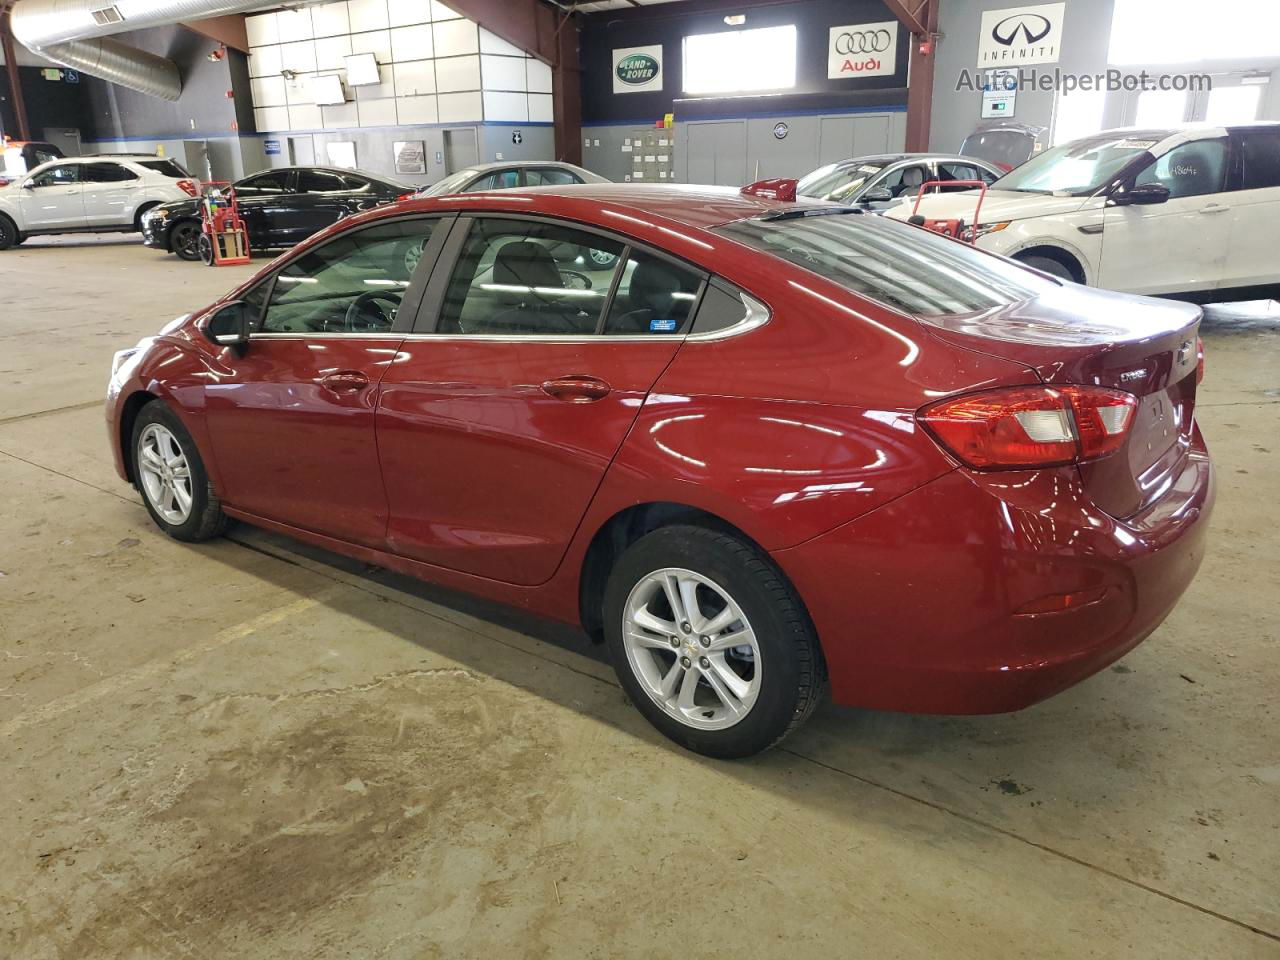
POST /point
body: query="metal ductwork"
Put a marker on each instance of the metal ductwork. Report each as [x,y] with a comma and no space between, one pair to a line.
[77,34]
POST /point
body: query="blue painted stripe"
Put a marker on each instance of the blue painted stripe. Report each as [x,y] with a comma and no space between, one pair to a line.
[752,115]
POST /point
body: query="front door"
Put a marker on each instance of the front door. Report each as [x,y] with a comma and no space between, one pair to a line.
[496,429]
[266,206]
[1176,246]
[292,420]
[53,198]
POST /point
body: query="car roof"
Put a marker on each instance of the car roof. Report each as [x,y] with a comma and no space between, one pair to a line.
[508,164]
[902,157]
[603,204]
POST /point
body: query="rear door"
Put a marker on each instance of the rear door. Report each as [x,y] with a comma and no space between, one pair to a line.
[1255,210]
[323,198]
[111,193]
[1176,246]
[53,198]
[292,418]
[266,203]
[522,378]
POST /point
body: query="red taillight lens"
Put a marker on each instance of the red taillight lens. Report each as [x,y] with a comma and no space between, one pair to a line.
[187,187]
[1199,361]
[406,196]
[1023,427]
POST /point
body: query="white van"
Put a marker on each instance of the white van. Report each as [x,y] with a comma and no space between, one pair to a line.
[1141,211]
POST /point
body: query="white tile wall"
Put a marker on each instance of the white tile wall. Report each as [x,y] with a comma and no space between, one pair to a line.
[435,67]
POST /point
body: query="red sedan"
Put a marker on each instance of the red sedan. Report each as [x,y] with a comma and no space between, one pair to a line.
[757,447]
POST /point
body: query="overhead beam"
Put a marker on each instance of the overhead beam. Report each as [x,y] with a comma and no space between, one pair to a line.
[228,30]
[15,80]
[552,37]
[920,17]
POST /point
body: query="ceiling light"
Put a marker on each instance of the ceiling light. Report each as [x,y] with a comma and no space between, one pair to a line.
[735,20]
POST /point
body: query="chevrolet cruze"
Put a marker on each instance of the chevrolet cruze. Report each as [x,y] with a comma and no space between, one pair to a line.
[775,448]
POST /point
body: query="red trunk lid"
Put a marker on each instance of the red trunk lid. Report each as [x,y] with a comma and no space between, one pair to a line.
[1078,335]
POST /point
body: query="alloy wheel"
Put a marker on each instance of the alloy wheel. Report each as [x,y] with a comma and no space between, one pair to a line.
[186,241]
[691,648]
[164,473]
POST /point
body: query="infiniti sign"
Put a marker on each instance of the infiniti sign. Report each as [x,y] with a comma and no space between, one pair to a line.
[1021,36]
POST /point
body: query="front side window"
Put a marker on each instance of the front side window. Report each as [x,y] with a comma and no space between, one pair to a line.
[918,272]
[906,181]
[523,278]
[498,180]
[264,184]
[317,181]
[548,177]
[654,296]
[1261,155]
[352,284]
[60,176]
[108,173]
[1190,170]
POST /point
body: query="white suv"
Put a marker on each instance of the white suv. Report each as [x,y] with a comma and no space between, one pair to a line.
[1157,212]
[89,195]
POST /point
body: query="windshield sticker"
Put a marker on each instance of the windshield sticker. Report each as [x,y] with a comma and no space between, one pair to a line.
[662,324]
[1137,144]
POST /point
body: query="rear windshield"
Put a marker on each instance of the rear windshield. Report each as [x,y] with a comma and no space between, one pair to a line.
[1001,147]
[167,167]
[902,266]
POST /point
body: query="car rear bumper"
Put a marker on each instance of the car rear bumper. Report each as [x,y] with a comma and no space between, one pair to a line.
[921,605]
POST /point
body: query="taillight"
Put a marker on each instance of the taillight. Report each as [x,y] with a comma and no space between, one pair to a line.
[406,196]
[187,187]
[1022,427]
[1199,361]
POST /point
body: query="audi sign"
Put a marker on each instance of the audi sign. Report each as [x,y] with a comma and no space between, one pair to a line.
[863,50]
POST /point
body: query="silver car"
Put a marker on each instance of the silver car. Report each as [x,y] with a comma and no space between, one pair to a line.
[880,181]
[509,175]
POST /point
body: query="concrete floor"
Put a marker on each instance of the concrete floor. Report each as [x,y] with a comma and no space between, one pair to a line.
[251,749]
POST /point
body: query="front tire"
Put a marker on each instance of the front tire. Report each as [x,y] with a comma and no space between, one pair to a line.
[710,642]
[172,478]
[1055,268]
[184,239]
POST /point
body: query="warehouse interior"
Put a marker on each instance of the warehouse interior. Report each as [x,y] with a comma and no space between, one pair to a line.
[269,745]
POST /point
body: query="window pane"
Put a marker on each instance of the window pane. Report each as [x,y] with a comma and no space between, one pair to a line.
[59,176]
[1190,170]
[353,284]
[1161,108]
[912,269]
[654,296]
[740,60]
[528,278]
[266,183]
[500,180]
[107,173]
[167,167]
[1261,151]
[548,176]
[315,181]
[1230,105]
[1188,31]
[838,181]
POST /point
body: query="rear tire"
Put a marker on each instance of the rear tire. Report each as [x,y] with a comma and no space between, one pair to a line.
[9,236]
[1055,268]
[172,478]
[745,668]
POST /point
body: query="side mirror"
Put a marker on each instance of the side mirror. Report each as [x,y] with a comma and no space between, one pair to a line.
[229,327]
[28,184]
[1143,194]
[877,195]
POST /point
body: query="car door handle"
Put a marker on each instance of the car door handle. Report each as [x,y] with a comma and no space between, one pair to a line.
[1215,208]
[576,389]
[345,381]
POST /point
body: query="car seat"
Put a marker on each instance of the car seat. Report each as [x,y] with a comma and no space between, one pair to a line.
[654,308]
[526,278]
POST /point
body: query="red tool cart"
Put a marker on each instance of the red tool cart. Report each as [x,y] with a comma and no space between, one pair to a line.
[224,241]
[956,229]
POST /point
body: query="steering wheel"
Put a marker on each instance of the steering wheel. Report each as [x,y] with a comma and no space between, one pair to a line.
[365,314]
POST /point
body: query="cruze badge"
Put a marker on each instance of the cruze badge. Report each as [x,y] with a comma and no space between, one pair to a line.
[1184,352]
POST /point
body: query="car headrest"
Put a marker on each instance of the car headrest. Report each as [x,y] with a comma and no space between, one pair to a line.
[523,263]
[652,286]
[912,177]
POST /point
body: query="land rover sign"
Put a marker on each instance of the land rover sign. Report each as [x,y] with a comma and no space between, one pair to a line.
[637,68]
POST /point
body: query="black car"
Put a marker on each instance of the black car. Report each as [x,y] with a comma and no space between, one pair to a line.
[280,207]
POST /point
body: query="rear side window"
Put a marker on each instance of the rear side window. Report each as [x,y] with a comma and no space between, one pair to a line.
[265,183]
[167,168]
[517,278]
[1261,154]
[654,296]
[317,181]
[107,173]
[906,267]
[499,180]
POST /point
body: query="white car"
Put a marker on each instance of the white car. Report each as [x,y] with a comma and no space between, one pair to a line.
[100,194]
[1140,211]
